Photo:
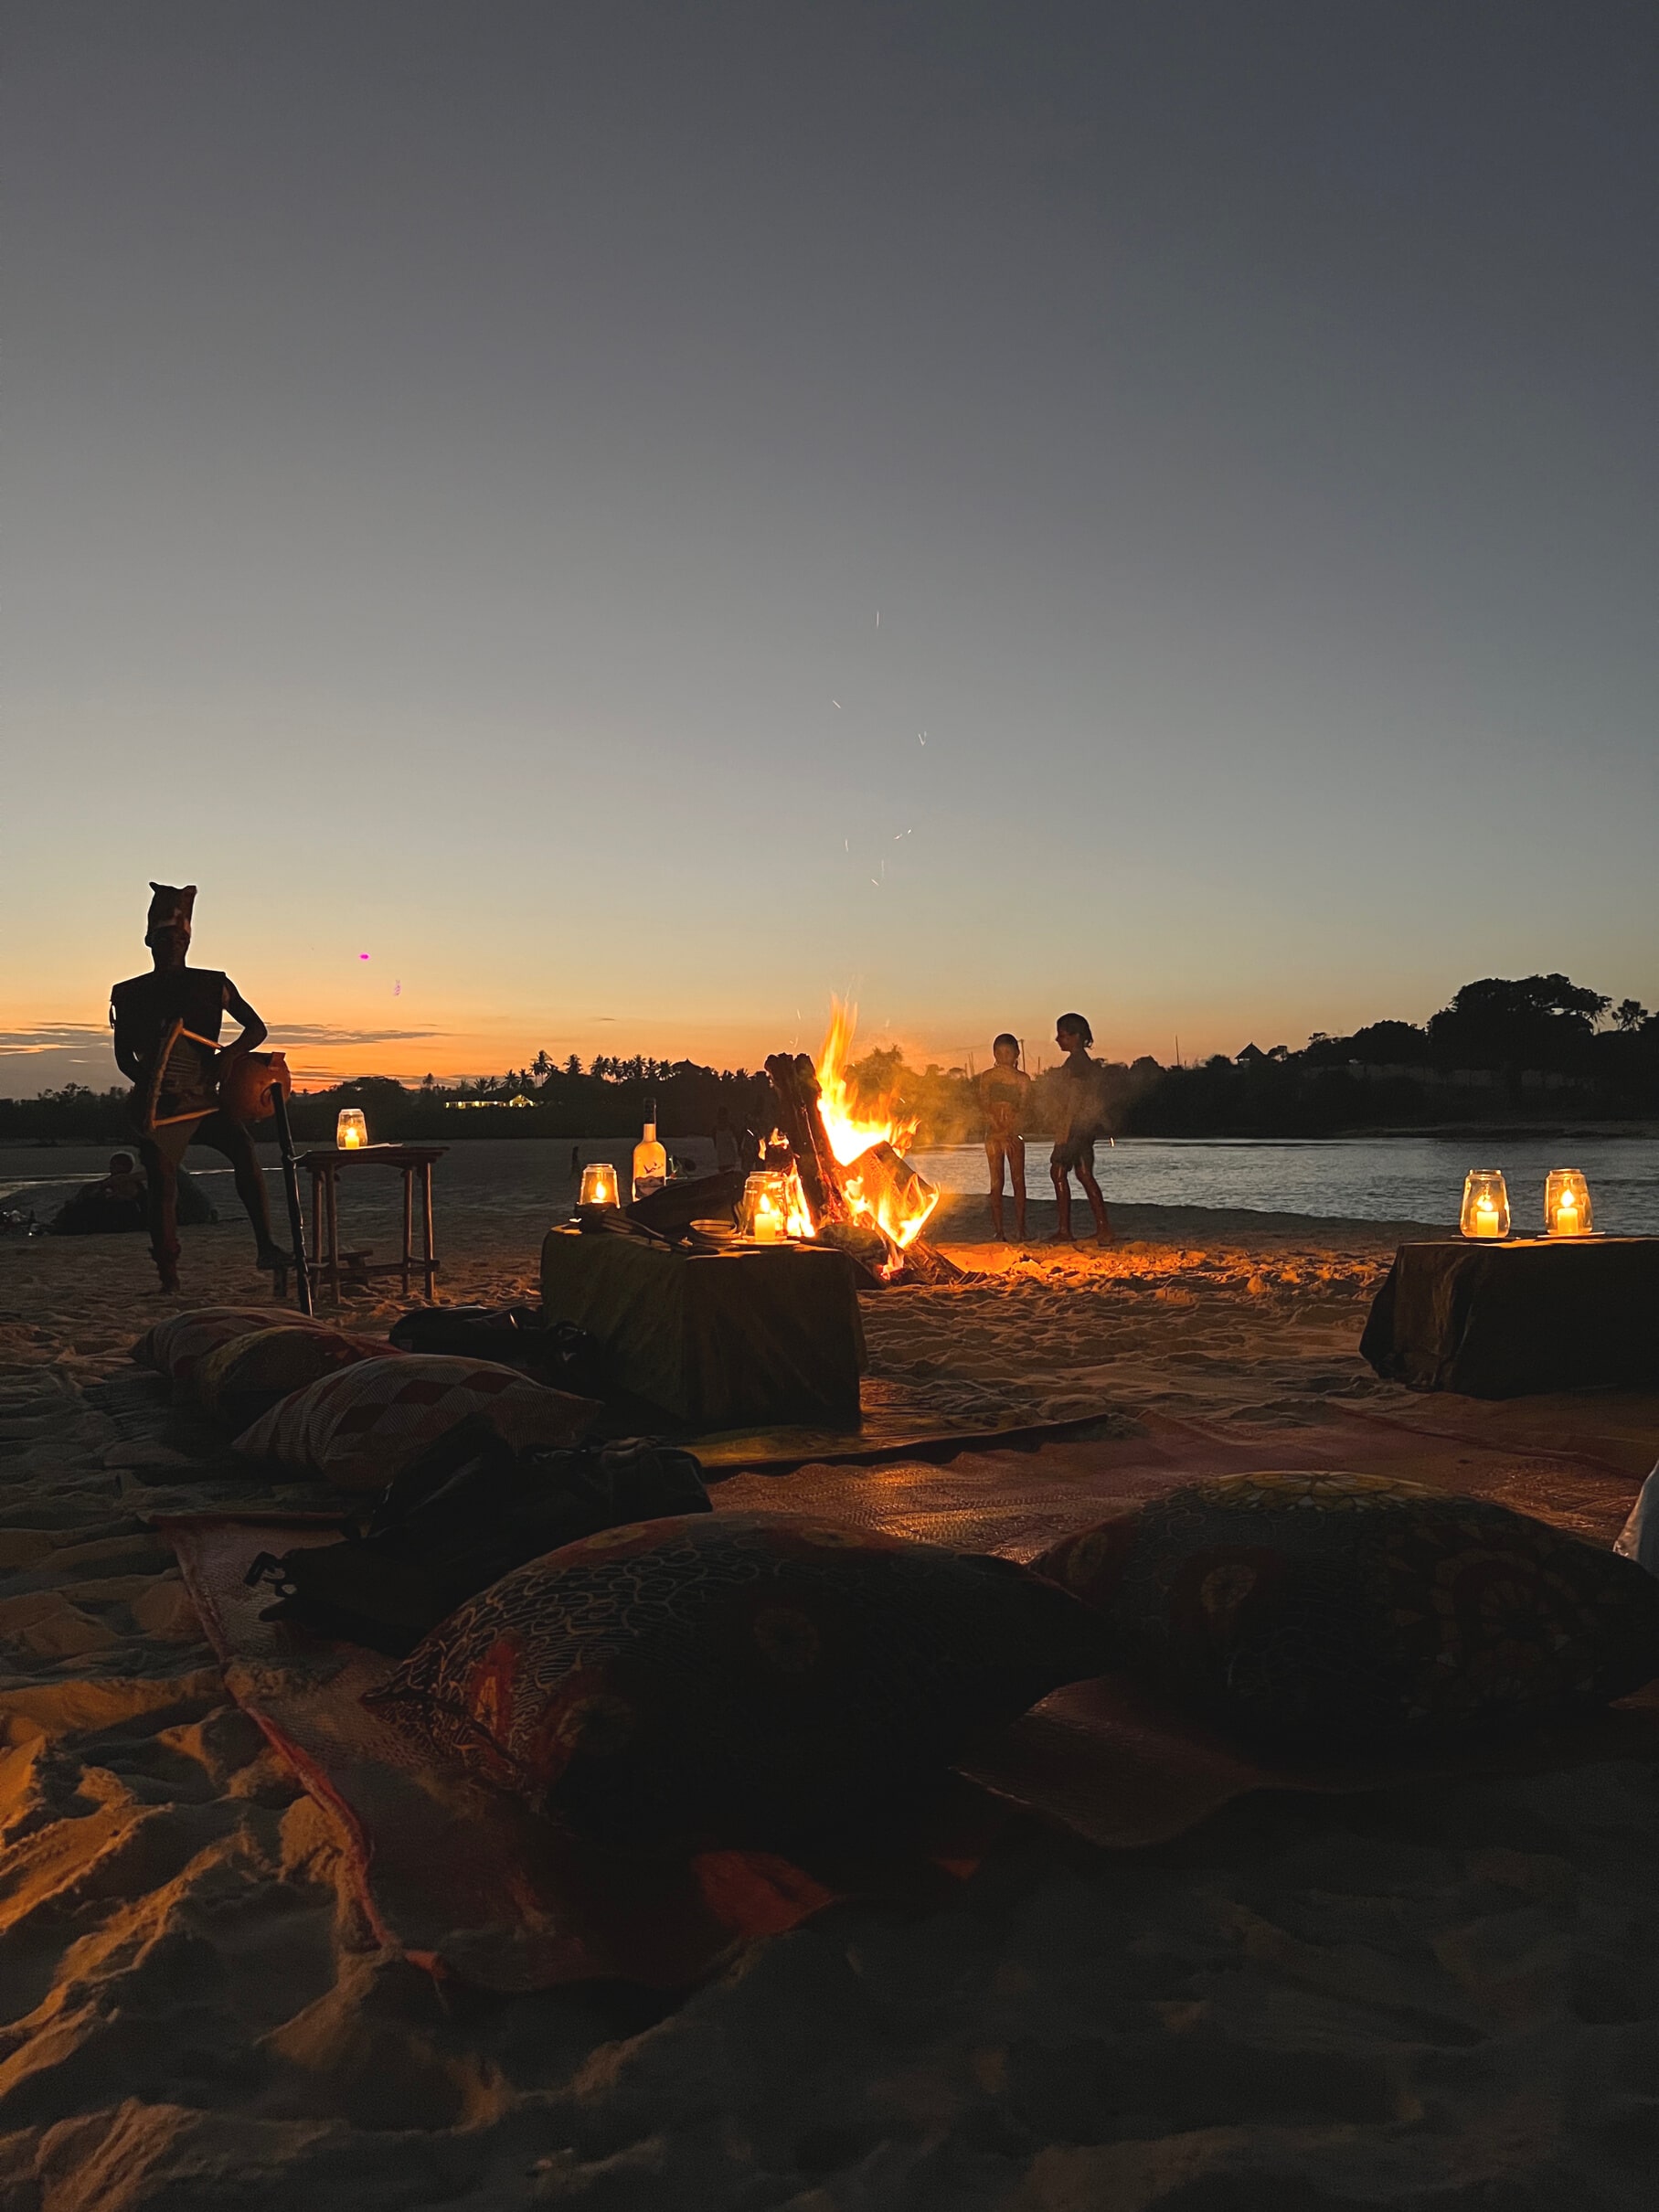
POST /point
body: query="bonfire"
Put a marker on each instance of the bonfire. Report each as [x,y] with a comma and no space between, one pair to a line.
[846,1169]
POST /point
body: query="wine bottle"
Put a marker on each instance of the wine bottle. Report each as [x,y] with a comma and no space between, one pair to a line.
[650,1160]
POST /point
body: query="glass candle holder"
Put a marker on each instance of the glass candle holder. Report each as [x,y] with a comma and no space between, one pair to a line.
[598,1184]
[1485,1204]
[1567,1208]
[351,1131]
[764,1212]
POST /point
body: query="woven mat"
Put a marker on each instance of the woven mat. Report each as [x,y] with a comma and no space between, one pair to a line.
[464,1880]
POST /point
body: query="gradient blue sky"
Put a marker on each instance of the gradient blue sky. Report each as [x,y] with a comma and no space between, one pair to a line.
[456,455]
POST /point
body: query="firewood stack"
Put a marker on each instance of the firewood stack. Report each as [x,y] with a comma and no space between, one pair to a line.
[794,1082]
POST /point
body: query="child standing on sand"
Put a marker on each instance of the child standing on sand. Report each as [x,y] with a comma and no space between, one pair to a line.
[1080,1119]
[1005,1090]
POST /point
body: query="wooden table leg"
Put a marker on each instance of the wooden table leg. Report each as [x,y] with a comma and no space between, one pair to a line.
[426,1208]
[334,1234]
[318,1262]
[408,1227]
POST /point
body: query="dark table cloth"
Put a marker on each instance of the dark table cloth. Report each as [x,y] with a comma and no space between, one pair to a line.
[1519,1318]
[719,1340]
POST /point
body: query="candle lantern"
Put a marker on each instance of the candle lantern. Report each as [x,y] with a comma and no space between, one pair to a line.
[1485,1204]
[598,1184]
[351,1131]
[1567,1209]
[764,1212]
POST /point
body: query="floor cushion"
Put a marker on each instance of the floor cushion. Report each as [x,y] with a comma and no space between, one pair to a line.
[360,1427]
[247,1375]
[1334,1613]
[734,1677]
[174,1346]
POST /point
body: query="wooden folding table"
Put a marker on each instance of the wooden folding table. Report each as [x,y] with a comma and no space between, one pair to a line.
[412,1160]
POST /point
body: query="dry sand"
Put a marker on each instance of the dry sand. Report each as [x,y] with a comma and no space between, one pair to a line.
[1444,1998]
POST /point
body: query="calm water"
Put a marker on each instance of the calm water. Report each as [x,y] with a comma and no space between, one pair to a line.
[1369,1179]
[1365,1179]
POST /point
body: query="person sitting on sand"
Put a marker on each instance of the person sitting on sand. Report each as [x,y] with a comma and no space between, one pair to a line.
[166,1029]
[1005,1093]
[118,1202]
[121,1183]
[113,1203]
[1080,1119]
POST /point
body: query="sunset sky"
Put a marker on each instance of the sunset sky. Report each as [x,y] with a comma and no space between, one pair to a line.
[636,518]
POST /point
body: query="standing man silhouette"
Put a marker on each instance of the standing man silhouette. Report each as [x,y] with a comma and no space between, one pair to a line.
[166,1027]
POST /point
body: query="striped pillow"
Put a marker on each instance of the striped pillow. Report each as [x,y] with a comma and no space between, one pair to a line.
[174,1346]
[247,1375]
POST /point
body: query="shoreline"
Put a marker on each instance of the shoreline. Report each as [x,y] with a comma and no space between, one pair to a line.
[959,1213]
[964,1217]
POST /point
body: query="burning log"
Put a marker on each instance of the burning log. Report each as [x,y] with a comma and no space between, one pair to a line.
[794,1080]
[921,1263]
[882,1185]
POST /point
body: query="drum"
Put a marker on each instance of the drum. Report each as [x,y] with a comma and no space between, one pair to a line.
[245,1086]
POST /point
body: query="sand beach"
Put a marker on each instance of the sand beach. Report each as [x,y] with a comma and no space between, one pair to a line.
[1444,1995]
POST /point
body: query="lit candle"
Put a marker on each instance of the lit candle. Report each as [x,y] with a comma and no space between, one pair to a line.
[1568,1211]
[1486,1204]
[769,1223]
[598,1184]
[351,1131]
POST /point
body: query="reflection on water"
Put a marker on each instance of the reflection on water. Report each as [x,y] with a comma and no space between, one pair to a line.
[528,1182]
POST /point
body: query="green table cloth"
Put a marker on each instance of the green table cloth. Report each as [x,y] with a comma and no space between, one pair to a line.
[717,1340]
[1519,1318]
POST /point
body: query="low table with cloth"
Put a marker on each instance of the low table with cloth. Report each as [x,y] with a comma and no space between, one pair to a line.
[714,1339]
[1519,1318]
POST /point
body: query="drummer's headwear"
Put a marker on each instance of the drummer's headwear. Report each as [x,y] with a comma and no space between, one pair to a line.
[170,909]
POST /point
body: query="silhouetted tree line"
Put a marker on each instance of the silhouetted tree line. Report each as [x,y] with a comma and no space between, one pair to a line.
[1540,1047]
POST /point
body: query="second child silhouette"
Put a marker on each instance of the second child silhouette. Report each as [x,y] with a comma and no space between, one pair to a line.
[1005,1093]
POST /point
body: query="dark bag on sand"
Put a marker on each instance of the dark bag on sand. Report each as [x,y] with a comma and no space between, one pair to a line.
[466,1513]
[563,1357]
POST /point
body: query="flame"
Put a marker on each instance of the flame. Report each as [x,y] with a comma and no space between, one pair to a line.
[850,1131]
[798,1221]
[895,1206]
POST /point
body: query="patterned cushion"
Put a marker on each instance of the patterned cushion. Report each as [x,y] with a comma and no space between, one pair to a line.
[245,1375]
[362,1426]
[174,1346]
[1338,1613]
[735,1677]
